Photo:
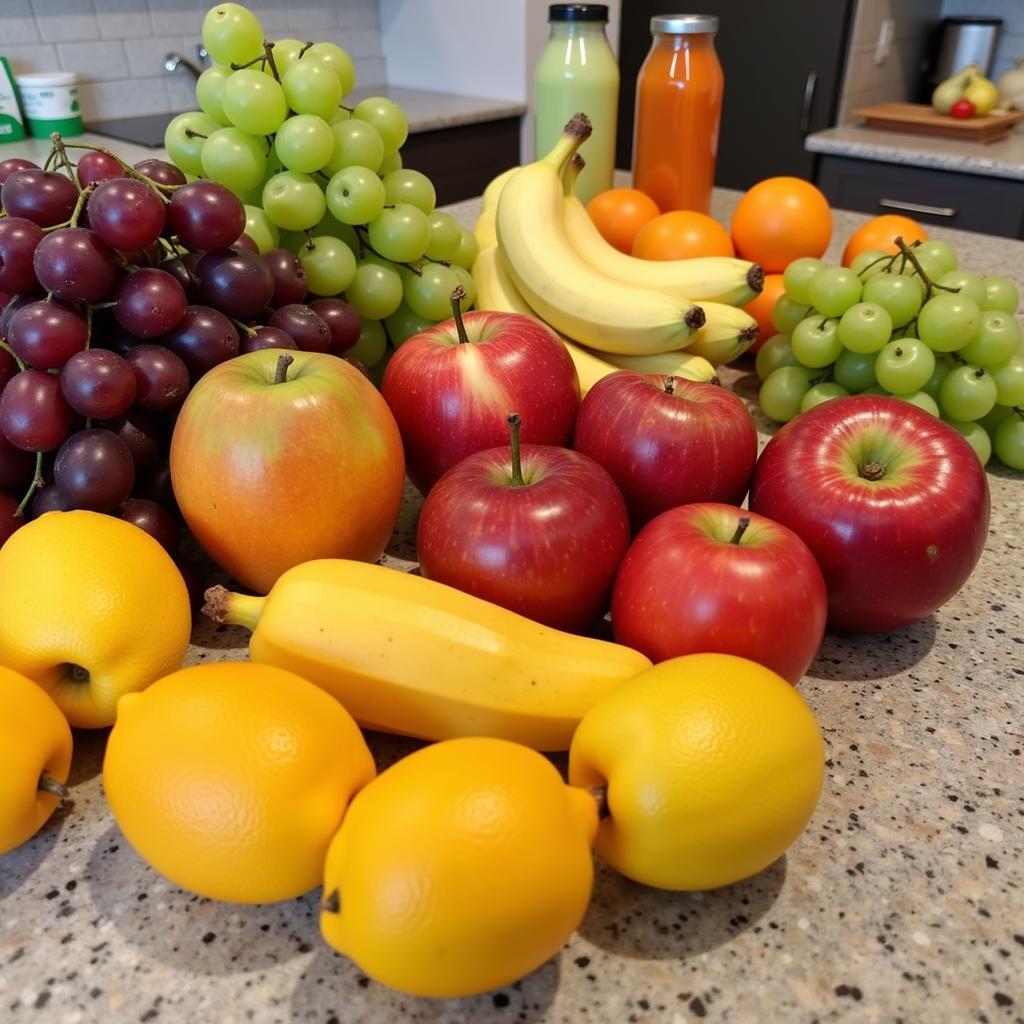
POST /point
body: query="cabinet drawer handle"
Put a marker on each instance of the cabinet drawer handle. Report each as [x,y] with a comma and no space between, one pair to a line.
[935,211]
[805,113]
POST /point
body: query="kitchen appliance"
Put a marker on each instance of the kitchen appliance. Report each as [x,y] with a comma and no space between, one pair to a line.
[958,42]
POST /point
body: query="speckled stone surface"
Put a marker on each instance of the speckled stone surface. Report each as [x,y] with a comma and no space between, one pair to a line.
[902,902]
[429,111]
[1003,159]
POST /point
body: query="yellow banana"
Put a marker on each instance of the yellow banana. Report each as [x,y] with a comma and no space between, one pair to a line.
[484,230]
[714,278]
[409,655]
[489,200]
[671,364]
[727,333]
[567,292]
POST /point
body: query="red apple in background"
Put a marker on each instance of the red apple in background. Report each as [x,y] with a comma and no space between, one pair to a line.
[451,387]
[540,530]
[712,579]
[667,441]
[892,502]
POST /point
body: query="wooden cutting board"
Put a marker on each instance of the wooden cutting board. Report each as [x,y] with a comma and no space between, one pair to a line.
[921,119]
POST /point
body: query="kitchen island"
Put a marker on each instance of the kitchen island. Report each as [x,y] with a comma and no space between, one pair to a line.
[902,901]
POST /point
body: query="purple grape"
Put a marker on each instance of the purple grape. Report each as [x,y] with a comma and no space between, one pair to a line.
[237,283]
[75,265]
[157,486]
[126,213]
[48,499]
[94,470]
[245,242]
[359,365]
[311,334]
[18,241]
[15,163]
[8,368]
[16,466]
[183,270]
[94,166]
[154,519]
[161,378]
[344,322]
[47,334]
[203,339]
[98,383]
[205,215]
[12,307]
[44,197]
[149,302]
[144,434]
[161,172]
[289,277]
[33,413]
[108,333]
[266,337]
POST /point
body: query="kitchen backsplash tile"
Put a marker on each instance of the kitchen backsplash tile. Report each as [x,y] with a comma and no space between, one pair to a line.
[117,47]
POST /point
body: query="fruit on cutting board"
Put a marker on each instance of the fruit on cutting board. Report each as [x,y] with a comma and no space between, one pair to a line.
[408,655]
[711,767]
[620,213]
[281,457]
[35,758]
[667,441]
[537,529]
[461,868]
[966,86]
[1011,87]
[91,608]
[451,388]
[893,504]
[682,235]
[231,779]
[710,577]
[947,92]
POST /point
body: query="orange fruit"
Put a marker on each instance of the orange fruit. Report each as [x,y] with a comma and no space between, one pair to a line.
[761,308]
[620,213]
[682,235]
[780,220]
[879,233]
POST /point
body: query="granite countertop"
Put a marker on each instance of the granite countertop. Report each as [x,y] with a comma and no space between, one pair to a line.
[902,901]
[1004,159]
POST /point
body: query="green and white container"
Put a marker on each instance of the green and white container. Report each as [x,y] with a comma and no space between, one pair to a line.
[50,102]
[12,127]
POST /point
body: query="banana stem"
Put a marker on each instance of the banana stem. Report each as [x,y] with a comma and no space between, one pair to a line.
[572,172]
[576,132]
[224,607]
[457,296]
[514,423]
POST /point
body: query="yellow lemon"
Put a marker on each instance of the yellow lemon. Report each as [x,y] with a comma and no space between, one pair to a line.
[231,778]
[712,766]
[35,756]
[91,607]
[463,867]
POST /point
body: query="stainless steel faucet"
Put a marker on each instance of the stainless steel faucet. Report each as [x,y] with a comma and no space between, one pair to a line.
[173,61]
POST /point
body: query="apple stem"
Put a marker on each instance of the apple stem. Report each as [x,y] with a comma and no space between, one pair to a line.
[331,903]
[670,385]
[457,296]
[514,423]
[283,362]
[872,471]
[741,528]
[48,784]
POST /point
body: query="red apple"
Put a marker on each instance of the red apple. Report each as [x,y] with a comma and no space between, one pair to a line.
[667,441]
[713,579]
[892,502]
[281,457]
[450,389]
[540,531]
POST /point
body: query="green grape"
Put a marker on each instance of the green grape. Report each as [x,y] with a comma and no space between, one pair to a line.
[877,390]
[234,159]
[407,186]
[184,138]
[400,233]
[969,284]
[467,251]
[976,436]
[286,53]
[341,114]
[797,279]
[904,366]
[1009,378]
[937,254]
[865,327]
[922,400]
[312,88]
[386,116]
[906,331]
[355,195]
[293,201]
[232,34]
[991,420]
[934,382]
[948,322]
[870,263]
[834,290]
[781,394]
[897,295]
[254,102]
[210,92]
[1009,441]
[997,339]
[1000,293]
[820,393]
[786,314]
[356,144]
[967,393]
[445,235]
[304,143]
[403,324]
[329,264]
[855,371]
[775,352]
[376,290]
[330,225]
[428,294]
[391,162]
[468,284]
[372,343]
[815,342]
[291,240]
[337,60]
[261,229]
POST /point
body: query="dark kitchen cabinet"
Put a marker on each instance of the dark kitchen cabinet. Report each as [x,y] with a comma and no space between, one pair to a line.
[783,65]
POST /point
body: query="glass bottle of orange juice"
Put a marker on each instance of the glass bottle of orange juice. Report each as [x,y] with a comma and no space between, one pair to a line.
[678,108]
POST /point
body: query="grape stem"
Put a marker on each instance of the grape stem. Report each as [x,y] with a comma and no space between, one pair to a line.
[129,171]
[364,243]
[908,254]
[14,355]
[458,294]
[59,154]
[268,49]
[251,331]
[514,423]
[37,482]
[309,43]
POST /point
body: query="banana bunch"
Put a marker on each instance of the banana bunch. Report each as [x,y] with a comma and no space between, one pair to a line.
[540,254]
